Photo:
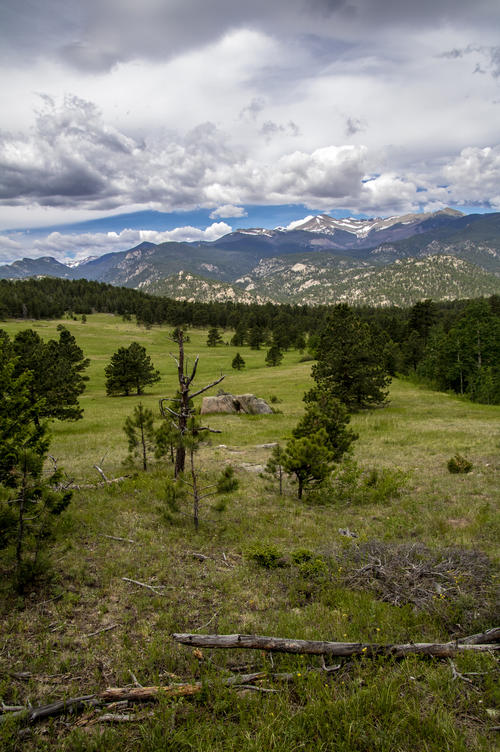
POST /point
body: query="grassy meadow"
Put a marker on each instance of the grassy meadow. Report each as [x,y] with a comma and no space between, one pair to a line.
[422,567]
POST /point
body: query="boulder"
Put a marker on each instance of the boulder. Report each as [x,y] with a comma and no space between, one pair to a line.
[246,404]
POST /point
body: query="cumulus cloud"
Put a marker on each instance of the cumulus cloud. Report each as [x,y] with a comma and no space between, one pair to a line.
[10,249]
[74,158]
[228,210]
[71,246]
[475,173]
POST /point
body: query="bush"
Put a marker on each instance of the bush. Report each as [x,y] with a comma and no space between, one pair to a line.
[266,555]
[302,555]
[459,464]
[227,482]
[175,495]
[351,484]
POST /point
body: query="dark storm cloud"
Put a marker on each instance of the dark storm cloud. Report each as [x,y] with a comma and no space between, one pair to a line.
[95,34]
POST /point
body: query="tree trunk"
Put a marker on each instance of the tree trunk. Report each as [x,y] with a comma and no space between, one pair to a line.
[316,647]
[196,499]
[180,457]
[143,440]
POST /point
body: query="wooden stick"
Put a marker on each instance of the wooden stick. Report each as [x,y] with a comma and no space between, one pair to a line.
[101,473]
[153,588]
[317,647]
[103,629]
[116,538]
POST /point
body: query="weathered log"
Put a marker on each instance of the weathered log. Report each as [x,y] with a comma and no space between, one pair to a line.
[32,715]
[318,647]
[141,694]
[491,635]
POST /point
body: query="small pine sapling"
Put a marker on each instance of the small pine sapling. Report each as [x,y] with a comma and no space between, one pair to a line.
[140,433]
[274,466]
[227,481]
[309,459]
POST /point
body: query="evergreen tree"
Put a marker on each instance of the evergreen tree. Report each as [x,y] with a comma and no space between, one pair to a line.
[175,334]
[214,337]
[466,359]
[351,360]
[130,368]
[422,318]
[274,466]
[274,355]
[140,433]
[238,362]
[57,368]
[309,459]
[166,440]
[28,500]
[324,411]
[255,337]
[238,338]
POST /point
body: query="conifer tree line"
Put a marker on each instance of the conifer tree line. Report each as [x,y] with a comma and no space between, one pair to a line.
[451,345]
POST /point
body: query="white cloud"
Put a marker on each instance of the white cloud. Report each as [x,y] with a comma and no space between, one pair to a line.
[475,174]
[72,246]
[184,104]
[228,210]
[7,242]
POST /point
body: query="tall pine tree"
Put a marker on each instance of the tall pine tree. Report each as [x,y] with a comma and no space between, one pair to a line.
[351,363]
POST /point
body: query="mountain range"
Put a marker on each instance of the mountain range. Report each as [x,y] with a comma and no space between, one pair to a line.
[382,261]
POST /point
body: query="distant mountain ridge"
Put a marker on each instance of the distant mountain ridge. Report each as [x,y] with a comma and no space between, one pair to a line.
[379,261]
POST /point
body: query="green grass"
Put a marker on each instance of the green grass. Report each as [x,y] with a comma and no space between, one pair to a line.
[367,705]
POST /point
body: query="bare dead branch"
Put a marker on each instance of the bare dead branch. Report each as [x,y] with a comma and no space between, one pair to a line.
[317,647]
[174,358]
[153,588]
[134,679]
[101,473]
[117,538]
[103,629]
[193,372]
[205,388]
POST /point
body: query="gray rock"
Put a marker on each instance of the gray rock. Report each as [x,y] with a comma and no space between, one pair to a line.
[237,404]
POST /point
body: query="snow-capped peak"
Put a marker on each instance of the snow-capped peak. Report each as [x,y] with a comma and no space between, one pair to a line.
[78,262]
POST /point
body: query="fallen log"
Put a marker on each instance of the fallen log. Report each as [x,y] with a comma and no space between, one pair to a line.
[142,694]
[319,647]
[491,635]
[112,695]
[32,715]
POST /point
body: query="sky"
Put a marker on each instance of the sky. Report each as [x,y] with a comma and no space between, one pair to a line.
[124,121]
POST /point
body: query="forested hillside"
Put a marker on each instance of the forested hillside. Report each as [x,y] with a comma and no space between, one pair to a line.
[451,345]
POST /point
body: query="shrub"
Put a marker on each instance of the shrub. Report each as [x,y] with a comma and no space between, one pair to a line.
[459,464]
[302,555]
[175,495]
[266,555]
[350,484]
[227,482]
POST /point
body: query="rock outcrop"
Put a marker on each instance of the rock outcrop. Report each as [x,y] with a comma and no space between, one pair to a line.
[244,404]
